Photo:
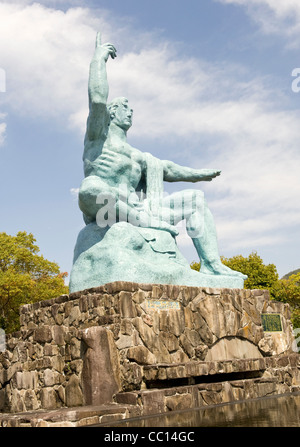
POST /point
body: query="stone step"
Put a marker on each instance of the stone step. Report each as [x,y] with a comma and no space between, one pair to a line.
[159,401]
[192,369]
[70,417]
[201,368]
[141,403]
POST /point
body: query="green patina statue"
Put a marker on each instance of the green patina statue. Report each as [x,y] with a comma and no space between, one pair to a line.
[130,232]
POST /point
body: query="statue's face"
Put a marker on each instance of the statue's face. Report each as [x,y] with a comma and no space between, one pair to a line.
[123,116]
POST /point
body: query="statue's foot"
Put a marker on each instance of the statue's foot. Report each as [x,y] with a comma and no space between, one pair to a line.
[218,268]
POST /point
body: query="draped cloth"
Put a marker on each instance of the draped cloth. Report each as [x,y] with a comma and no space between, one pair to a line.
[159,241]
[154,184]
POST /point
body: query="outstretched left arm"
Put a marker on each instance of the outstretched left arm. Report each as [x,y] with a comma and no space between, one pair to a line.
[177,173]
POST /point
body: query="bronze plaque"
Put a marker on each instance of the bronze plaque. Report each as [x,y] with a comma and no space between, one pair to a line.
[271,322]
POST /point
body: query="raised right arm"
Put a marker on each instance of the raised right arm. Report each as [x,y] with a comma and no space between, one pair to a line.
[98,90]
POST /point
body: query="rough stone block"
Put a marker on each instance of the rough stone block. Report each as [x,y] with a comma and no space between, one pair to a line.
[56,362]
[73,392]
[2,399]
[186,345]
[126,398]
[125,341]
[49,377]
[61,394]
[227,394]
[30,400]
[17,401]
[83,304]
[131,376]
[74,316]
[153,402]
[126,327]
[49,398]
[139,296]
[58,333]
[141,355]
[179,402]
[88,421]
[179,357]
[43,334]
[172,321]
[151,341]
[169,340]
[100,373]
[26,380]
[127,308]
[75,348]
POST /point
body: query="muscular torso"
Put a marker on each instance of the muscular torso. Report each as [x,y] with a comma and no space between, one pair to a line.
[117,163]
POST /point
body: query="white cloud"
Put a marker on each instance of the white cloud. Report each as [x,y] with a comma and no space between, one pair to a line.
[50,3]
[169,94]
[259,184]
[274,16]
[47,62]
[74,192]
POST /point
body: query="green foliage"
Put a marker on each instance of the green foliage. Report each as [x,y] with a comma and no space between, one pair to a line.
[25,277]
[261,276]
[195,266]
[288,291]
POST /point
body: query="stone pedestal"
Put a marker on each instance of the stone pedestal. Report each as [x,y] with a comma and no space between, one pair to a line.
[145,348]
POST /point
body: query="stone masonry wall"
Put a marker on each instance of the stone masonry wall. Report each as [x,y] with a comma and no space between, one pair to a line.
[86,347]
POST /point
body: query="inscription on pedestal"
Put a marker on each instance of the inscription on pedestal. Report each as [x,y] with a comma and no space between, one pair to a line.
[271,322]
[162,305]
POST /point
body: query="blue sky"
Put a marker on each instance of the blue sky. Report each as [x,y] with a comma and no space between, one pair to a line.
[210,83]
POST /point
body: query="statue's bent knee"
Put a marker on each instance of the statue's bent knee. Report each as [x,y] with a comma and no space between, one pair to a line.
[92,193]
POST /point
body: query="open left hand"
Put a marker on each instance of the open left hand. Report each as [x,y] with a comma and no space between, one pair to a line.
[208,174]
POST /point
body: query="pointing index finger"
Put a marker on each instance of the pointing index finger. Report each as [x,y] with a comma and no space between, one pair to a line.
[98,39]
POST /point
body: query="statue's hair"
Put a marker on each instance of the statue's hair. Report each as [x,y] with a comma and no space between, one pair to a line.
[114,104]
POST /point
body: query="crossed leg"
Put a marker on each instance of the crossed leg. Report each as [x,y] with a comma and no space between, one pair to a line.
[191,205]
[106,205]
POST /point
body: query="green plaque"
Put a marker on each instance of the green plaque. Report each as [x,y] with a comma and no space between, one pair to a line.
[271,322]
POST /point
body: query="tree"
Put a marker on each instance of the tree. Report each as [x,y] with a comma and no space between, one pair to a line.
[288,291]
[25,277]
[195,266]
[260,276]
